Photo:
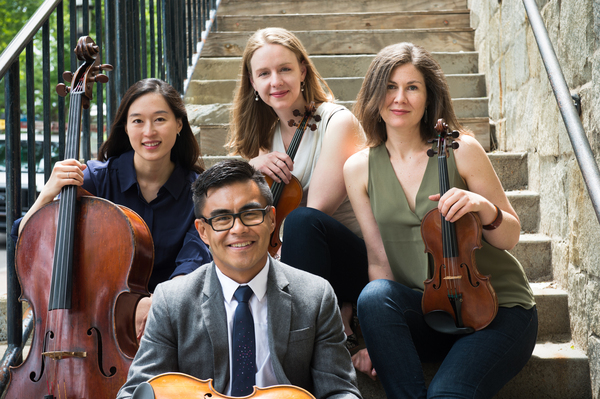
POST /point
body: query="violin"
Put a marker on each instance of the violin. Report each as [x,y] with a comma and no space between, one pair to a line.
[287,197]
[179,385]
[457,299]
[83,264]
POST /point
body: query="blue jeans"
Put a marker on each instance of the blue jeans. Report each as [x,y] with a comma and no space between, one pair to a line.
[317,243]
[473,366]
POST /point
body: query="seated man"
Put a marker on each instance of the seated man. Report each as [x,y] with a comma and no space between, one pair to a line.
[293,332]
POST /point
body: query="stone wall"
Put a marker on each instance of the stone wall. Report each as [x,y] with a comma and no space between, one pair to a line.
[526,118]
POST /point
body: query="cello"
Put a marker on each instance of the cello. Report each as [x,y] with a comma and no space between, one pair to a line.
[83,264]
[457,299]
[287,197]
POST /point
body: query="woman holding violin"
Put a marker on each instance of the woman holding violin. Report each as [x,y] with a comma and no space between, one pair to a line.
[321,236]
[392,185]
[148,164]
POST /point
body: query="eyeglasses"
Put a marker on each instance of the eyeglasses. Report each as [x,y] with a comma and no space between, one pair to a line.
[225,221]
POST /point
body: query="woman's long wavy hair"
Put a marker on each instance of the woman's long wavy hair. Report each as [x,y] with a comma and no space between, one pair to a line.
[186,150]
[252,122]
[372,94]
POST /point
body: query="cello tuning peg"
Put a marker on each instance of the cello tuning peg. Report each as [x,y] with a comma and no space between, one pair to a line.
[101,78]
[291,123]
[68,76]
[454,145]
[454,134]
[106,67]
[296,112]
[62,90]
[431,153]
[317,118]
[313,127]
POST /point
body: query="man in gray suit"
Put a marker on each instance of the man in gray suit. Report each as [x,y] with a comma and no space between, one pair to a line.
[299,336]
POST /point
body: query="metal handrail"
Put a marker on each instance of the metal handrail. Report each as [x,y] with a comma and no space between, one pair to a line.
[579,141]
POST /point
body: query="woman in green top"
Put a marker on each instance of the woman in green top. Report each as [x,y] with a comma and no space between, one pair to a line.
[392,185]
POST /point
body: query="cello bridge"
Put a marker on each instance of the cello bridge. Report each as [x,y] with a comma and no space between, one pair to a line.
[58,355]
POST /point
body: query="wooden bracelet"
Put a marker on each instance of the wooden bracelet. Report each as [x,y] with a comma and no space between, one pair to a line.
[494,225]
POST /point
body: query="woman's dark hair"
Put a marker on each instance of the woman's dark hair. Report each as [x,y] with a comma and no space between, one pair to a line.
[186,150]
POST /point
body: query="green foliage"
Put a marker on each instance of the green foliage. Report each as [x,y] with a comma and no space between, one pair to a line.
[14,14]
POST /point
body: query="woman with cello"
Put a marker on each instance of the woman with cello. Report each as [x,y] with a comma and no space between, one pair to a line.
[392,185]
[148,164]
[321,236]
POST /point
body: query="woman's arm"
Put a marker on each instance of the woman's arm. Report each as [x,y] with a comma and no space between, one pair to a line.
[67,172]
[356,176]
[343,138]
[277,165]
[485,191]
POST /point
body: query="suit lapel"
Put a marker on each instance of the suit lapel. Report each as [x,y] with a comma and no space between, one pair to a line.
[215,318]
[280,317]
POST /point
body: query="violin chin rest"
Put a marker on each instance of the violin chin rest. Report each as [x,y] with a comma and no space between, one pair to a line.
[143,391]
[443,322]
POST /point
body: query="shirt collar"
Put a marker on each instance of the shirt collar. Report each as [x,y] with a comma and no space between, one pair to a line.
[258,284]
[128,177]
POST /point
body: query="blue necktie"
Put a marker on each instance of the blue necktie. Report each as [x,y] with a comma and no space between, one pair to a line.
[243,375]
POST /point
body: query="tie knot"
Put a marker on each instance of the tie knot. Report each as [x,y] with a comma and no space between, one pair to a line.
[243,293]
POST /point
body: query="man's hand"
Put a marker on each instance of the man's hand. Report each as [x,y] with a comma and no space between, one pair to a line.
[141,315]
[362,362]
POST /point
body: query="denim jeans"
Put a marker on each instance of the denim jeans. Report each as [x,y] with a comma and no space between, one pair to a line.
[317,243]
[473,366]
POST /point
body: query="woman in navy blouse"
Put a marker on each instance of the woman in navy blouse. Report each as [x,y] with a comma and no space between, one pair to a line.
[148,164]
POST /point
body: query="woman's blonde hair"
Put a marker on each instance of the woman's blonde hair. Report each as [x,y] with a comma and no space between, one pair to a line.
[252,122]
[373,91]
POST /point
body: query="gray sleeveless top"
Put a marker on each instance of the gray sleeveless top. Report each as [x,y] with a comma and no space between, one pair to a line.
[400,230]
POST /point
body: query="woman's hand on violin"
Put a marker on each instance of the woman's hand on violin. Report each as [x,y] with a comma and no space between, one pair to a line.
[277,165]
[456,203]
[362,362]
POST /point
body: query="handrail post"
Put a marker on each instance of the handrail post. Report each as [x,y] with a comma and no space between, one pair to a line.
[579,141]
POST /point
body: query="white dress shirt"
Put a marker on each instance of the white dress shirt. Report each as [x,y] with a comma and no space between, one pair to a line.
[265,376]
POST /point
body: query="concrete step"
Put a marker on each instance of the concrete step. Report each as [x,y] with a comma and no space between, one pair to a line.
[555,371]
[344,88]
[527,205]
[218,113]
[341,21]
[334,66]
[553,312]
[264,7]
[511,168]
[221,44]
[534,251]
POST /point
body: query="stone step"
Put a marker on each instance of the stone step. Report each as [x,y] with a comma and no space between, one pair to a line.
[334,66]
[553,312]
[527,205]
[264,7]
[217,113]
[511,168]
[221,44]
[555,371]
[344,89]
[534,251]
[341,21]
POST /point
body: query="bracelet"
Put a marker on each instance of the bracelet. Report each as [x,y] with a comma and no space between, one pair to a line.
[494,225]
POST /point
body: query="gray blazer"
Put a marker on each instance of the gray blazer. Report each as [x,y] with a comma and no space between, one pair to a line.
[187,332]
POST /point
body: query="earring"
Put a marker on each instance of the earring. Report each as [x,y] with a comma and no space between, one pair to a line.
[425,117]
[255,95]
[380,120]
[302,86]
[179,133]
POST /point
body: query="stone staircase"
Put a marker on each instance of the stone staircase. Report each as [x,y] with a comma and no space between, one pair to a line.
[342,46]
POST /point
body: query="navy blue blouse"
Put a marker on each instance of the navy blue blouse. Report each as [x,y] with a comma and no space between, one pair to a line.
[178,248]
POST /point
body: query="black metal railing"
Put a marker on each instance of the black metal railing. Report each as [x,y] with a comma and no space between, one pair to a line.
[140,38]
[566,105]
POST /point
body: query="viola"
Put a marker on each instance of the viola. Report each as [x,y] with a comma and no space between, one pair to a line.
[457,299]
[287,197]
[179,385]
[83,264]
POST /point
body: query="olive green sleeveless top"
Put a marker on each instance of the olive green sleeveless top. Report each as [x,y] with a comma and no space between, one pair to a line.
[400,230]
